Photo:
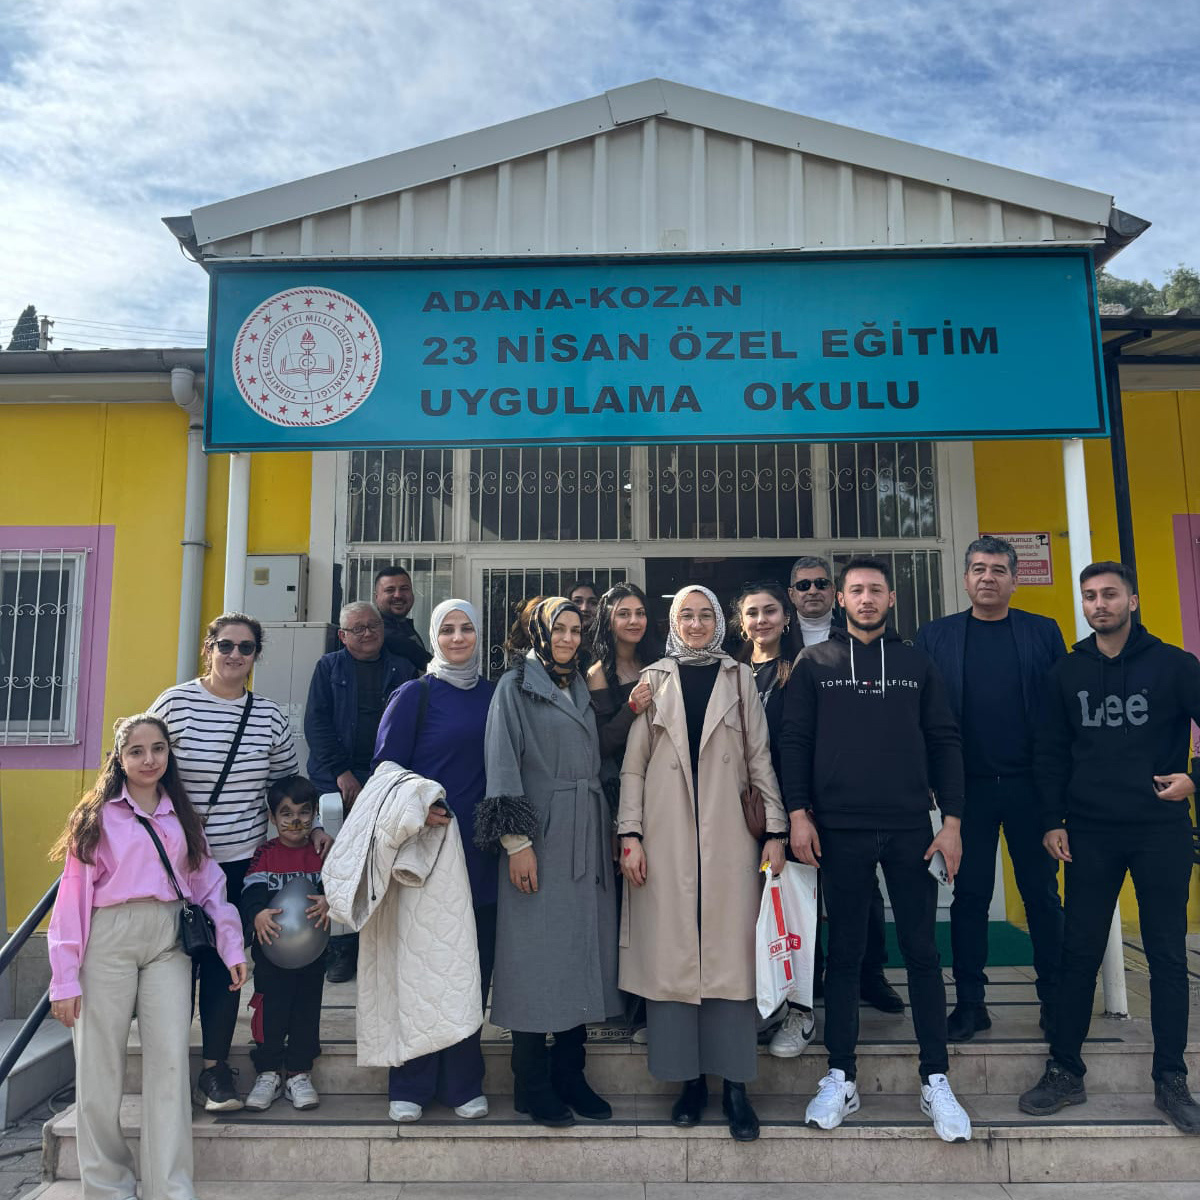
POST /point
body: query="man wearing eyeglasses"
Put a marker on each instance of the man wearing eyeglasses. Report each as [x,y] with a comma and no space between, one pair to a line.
[350,689]
[812,595]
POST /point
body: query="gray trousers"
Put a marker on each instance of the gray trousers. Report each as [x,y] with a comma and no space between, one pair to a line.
[133,962]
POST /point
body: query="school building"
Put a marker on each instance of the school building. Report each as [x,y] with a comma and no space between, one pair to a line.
[661,335]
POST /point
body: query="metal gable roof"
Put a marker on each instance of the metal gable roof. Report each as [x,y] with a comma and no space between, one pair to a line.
[650,167]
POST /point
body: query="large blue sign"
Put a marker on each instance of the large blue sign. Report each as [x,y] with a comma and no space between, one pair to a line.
[988,344]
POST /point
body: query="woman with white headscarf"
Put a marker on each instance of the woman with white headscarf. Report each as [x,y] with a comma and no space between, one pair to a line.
[691,866]
[435,726]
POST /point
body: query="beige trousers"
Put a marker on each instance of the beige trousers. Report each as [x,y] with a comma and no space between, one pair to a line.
[133,963]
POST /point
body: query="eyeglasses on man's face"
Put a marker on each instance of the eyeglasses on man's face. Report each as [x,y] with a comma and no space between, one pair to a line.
[361,631]
[802,585]
[225,646]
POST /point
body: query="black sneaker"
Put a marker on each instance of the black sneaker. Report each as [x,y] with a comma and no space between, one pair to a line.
[1172,1096]
[1057,1088]
[215,1089]
[966,1021]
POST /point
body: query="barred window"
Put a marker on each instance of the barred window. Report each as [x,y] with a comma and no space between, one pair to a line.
[41,616]
[883,489]
[551,494]
[432,580]
[401,495]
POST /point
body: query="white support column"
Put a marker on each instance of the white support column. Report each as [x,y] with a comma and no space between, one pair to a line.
[1079,534]
[236,532]
[187,396]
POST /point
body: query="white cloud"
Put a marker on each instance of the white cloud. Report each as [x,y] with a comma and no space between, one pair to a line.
[114,114]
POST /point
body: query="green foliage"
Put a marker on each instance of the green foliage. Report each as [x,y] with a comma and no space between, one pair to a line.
[25,331]
[1180,290]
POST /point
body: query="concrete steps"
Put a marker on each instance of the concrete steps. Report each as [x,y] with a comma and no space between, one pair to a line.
[46,1066]
[1117,1139]
[348,1139]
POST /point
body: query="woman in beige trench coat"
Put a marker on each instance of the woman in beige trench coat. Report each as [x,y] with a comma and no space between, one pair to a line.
[690,865]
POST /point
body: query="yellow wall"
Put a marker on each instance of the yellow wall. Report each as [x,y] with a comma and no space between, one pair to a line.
[123,465]
[1019,486]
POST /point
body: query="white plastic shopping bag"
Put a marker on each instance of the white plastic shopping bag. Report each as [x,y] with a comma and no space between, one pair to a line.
[785,938]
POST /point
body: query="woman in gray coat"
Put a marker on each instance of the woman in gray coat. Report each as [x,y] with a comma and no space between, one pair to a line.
[556,934]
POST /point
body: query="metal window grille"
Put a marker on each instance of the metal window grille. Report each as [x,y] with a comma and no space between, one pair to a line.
[432,580]
[551,494]
[41,617]
[401,495]
[917,579]
[505,590]
[883,489]
[731,491]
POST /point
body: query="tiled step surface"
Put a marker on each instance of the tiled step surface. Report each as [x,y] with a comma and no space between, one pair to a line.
[1006,1059]
[349,1140]
[268,1190]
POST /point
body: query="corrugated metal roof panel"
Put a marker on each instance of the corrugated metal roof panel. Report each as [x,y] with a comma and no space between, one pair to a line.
[658,185]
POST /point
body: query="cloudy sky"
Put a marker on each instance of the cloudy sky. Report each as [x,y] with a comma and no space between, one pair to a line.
[114,113]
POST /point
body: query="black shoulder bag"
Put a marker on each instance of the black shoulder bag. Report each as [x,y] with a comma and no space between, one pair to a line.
[196,930]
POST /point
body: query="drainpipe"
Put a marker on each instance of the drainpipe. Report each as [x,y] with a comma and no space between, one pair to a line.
[185,394]
[1079,535]
[236,532]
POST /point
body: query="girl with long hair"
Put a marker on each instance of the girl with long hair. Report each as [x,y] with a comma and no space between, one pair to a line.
[114,949]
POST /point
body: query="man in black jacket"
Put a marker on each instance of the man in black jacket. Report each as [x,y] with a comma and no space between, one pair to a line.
[1110,757]
[993,659]
[866,734]
[394,598]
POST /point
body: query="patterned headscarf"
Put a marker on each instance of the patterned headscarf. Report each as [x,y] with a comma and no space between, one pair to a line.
[461,675]
[677,648]
[540,624]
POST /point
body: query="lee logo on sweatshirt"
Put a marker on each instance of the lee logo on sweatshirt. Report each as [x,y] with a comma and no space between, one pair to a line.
[1113,710]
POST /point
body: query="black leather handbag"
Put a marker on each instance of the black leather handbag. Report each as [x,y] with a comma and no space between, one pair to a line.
[197,933]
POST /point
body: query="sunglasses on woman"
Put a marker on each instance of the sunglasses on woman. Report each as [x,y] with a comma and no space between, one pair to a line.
[225,646]
[802,585]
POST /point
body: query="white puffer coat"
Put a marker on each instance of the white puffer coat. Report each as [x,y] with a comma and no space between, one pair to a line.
[404,885]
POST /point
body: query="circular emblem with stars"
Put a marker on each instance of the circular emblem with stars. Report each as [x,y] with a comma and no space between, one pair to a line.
[308,356]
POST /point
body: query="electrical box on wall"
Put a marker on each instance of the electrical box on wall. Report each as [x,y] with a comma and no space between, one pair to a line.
[276,586]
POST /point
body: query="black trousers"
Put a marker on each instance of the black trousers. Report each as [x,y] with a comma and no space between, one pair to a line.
[218,1005]
[848,861]
[291,1011]
[992,803]
[875,950]
[1159,859]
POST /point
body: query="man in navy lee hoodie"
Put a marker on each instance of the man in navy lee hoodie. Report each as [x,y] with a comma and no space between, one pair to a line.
[1110,759]
[867,733]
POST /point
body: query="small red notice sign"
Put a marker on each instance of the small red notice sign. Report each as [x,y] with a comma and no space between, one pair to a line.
[1034,566]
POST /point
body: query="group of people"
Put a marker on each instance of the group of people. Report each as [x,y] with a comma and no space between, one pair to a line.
[606,852]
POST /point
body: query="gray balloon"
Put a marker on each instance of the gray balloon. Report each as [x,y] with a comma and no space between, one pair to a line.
[299,942]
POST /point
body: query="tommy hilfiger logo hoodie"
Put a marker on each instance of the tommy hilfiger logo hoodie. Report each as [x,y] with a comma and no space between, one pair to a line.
[867,732]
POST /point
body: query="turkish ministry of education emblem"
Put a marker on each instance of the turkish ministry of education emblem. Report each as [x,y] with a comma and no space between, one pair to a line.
[307,356]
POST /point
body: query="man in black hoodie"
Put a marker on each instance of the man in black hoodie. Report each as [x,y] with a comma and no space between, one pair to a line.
[1110,759]
[867,732]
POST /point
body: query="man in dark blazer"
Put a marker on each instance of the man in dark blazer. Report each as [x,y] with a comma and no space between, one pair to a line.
[994,660]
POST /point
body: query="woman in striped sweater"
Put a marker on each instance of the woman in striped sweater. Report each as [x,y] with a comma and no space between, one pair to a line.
[203,718]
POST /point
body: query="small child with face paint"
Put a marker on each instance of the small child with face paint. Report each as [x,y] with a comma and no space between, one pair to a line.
[288,1000]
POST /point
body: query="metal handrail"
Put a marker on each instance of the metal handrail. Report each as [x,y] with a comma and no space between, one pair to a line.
[21,934]
[8,953]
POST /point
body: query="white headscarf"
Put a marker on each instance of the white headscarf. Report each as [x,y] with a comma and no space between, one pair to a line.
[460,675]
[677,648]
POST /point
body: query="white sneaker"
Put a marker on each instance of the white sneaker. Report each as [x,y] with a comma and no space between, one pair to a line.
[473,1109]
[640,1036]
[404,1110]
[836,1099]
[794,1035]
[266,1090]
[300,1091]
[950,1120]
